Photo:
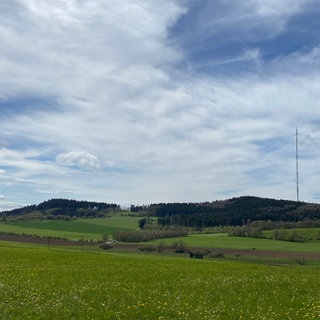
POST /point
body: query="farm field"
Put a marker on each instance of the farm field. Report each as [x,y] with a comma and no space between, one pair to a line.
[52,284]
[222,240]
[75,230]
[94,229]
[308,233]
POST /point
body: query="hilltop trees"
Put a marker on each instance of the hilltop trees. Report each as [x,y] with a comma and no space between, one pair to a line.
[63,209]
[233,212]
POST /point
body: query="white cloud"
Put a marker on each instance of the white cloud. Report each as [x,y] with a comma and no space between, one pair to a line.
[78,46]
[6,206]
[81,159]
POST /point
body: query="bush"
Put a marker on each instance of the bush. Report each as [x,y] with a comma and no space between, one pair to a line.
[217,255]
[147,248]
[106,246]
[301,262]
[179,247]
[160,247]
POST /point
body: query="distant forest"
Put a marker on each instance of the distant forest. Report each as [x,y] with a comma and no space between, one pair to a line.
[232,212]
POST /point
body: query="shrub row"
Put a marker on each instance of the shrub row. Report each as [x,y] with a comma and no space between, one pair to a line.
[147,235]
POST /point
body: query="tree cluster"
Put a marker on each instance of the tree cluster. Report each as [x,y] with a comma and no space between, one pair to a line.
[134,208]
[246,231]
[286,235]
[281,230]
[147,235]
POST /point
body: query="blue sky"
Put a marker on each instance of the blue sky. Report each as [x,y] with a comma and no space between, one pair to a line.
[137,102]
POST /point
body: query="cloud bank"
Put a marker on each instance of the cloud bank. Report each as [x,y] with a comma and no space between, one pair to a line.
[132,102]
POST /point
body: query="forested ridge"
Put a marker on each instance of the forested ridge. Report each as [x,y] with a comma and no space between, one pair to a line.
[232,212]
[63,208]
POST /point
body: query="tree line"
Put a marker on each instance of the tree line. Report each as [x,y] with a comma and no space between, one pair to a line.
[148,235]
[281,230]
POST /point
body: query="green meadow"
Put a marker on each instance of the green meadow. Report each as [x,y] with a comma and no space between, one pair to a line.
[222,240]
[308,233]
[37,283]
[94,229]
[75,229]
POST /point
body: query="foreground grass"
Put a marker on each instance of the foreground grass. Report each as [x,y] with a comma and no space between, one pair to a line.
[37,283]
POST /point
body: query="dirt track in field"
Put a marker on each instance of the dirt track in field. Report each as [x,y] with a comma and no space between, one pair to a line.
[126,247]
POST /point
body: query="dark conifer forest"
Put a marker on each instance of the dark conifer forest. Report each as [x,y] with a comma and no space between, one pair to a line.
[232,212]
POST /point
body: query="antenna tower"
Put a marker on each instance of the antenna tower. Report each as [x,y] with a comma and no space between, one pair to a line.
[297,164]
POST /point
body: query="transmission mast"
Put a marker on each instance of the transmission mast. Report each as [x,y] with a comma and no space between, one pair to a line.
[297,164]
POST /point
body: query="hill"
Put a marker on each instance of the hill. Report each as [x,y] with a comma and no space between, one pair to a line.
[232,212]
[62,209]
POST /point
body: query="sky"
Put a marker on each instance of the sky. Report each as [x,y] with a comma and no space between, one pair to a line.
[144,101]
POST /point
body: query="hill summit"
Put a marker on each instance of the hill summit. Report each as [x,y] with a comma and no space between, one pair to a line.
[63,209]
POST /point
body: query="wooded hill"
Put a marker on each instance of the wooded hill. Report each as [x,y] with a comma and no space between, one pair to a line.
[62,209]
[232,212]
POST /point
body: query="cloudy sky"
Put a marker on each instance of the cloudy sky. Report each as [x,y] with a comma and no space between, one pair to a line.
[143,101]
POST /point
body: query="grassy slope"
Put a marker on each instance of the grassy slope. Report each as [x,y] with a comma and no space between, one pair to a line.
[77,229]
[309,233]
[224,241]
[44,284]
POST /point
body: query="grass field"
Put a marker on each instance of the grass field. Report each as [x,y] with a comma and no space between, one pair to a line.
[76,229]
[49,284]
[222,240]
[308,233]
[95,228]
